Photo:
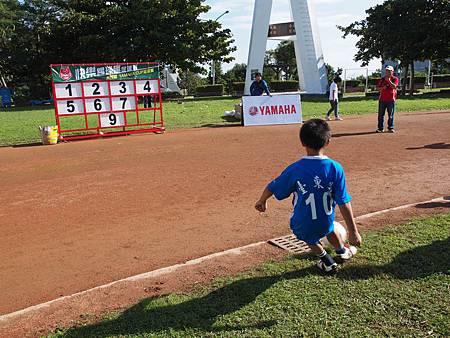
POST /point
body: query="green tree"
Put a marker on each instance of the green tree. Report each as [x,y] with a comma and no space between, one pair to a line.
[235,74]
[406,30]
[190,81]
[83,31]
[282,61]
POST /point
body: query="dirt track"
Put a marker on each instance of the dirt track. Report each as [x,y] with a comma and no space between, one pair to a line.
[82,214]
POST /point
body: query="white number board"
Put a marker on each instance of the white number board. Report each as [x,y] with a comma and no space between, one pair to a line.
[95,88]
[147,87]
[112,120]
[68,107]
[97,105]
[121,87]
[123,103]
[63,90]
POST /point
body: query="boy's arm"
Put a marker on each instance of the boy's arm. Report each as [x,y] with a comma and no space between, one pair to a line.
[261,203]
[347,213]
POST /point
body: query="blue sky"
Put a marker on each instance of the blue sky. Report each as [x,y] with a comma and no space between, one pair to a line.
[337,51]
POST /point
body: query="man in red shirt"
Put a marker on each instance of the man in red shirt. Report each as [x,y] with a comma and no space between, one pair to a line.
[388,94]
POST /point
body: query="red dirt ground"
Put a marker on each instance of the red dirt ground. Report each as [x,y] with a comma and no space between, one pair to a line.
[86,213]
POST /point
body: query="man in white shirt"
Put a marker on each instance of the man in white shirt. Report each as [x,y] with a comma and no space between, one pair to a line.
[334,100]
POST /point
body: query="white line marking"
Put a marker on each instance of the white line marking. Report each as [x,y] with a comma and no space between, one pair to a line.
[166,270]
[376,213]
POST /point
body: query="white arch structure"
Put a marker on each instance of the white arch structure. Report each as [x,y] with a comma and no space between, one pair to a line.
[308,50]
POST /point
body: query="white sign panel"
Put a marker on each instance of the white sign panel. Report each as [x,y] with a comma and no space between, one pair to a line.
[147,86]
[97,105]
[123,103]
[122,87]
[63,90]
[68,107]
[267,110]
[112,120]
[95,88]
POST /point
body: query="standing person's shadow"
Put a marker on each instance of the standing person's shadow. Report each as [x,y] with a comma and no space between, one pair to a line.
[416,263]
[196,314]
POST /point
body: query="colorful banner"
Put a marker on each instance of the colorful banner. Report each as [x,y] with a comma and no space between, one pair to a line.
[74,73]
[276,109]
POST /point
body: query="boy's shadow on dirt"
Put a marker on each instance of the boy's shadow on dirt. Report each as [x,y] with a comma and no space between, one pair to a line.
[200,314]
[416,263]
[197,314]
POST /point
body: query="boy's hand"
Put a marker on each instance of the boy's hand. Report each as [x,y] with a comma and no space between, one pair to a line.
[261,206]
[355,238]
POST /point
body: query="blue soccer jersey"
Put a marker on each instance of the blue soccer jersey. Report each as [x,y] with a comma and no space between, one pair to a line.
[318,184]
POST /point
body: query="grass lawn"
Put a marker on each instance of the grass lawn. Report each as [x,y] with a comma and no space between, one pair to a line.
[397,286]
[20,125]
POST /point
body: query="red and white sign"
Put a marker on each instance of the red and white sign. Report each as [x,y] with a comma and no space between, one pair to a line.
[267,110]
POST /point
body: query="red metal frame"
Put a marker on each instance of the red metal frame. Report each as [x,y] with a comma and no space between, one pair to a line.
[128,128]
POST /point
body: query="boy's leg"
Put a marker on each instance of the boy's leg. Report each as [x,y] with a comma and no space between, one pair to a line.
[391,111]
[344,253]
[381,111]
[326,262]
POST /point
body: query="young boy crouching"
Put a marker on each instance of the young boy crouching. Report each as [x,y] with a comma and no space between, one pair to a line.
[317,184]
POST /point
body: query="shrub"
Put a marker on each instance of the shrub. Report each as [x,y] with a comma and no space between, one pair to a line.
[237,88]
[441,78]
[352,83]
[211,90]
[283,86]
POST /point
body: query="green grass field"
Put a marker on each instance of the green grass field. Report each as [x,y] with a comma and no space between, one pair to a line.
[397,286]
[20,125]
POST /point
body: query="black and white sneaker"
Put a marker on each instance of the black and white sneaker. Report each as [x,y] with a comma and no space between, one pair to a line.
[350,251]
[328,269]
[380,131]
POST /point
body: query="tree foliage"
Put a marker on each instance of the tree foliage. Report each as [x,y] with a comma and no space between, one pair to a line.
[83,31]
[281,62]
[406,30]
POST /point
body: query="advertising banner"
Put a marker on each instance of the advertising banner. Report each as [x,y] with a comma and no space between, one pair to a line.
[76,73]
[267,110]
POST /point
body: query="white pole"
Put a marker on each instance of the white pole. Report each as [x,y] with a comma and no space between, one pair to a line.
[367,80]
[345,79]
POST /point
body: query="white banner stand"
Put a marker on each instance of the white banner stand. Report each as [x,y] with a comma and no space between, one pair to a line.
[269,110]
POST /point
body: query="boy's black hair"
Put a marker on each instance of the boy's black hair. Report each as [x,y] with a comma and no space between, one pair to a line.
[258,74]
[337,79]
[315,134]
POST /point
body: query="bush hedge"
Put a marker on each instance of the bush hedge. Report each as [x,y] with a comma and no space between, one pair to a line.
[441,78]
[352,83]
[210,90]
[283,86]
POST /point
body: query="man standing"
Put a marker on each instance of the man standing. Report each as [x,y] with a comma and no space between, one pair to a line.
[334,99]
[259,86]
[388,94]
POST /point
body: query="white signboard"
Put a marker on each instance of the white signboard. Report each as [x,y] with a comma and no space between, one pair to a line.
[267,110]
[147,86]
[67,107]
[112,120]
[122,87]
[63,90]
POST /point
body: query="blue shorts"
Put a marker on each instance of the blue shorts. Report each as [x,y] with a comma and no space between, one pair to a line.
[311,235]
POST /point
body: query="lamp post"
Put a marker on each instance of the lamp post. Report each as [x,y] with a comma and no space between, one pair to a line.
[213,68]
